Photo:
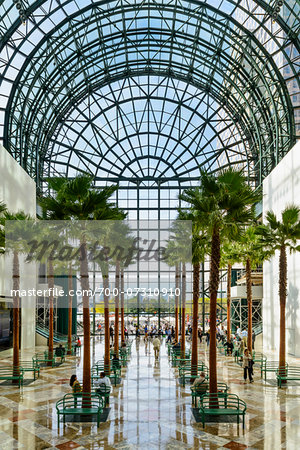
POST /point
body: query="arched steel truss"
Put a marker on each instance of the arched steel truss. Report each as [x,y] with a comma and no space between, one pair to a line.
[149,89]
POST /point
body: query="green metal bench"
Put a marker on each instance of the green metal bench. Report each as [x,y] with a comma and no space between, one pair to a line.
[80,404]
[238,356]
[221,348]
[128,346]
[198,391]
[169,348]
[269,366]
[176,356]
[259,358]
[42,358]
[12,373]
[124,356]
[187,372]
[56,355]
[288,373]
[225,350]
[114,376]
[30,366]
[222,405]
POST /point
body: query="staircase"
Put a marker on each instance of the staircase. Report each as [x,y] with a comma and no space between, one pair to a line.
[44,332]
[258,329]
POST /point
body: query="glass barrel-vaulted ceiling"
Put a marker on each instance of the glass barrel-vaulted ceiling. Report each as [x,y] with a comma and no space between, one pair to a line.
[141,90]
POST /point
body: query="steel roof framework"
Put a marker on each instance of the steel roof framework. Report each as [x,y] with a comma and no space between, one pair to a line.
[148,90]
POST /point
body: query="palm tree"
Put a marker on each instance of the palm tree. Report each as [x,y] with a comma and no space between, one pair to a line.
[110,237]
[179,250]
[251,254]
[228,258]
[199,247]
[199,250]
[118,234]
[77,199]
[281,235]
[173,259]
[221,205]
[16,242]
[130,252]
[3,209]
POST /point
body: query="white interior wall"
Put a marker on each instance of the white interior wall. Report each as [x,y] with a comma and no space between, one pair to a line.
[18,191]
[281,188]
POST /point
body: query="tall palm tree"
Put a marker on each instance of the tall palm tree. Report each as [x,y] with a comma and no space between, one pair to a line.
[199,247]
[3,209]
[173,259]
[110,238]
[78,199]
[181,252]
[199,250]
[222,204]
[118,234]
[130,253]
[251,254]
[281,235]
[228,258]
[16,242]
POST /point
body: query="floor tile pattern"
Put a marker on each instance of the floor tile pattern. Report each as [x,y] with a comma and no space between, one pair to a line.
[149,410]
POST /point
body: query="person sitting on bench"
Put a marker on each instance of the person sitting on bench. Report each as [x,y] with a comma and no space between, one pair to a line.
[200,384]
[60,351]
[102,383]
[115,362]
[176,345]
[75,385]
[229,346]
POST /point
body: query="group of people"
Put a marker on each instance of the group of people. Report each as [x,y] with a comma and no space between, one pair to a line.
[201,383]
[100,383]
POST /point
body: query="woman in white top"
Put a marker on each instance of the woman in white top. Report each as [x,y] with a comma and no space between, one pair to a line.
[247,365]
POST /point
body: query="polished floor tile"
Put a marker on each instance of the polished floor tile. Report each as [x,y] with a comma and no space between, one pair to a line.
[149,410]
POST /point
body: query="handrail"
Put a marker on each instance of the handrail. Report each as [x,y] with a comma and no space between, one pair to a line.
[44,331]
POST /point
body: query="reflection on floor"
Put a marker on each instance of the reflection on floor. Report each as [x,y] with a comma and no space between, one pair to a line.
[149,410]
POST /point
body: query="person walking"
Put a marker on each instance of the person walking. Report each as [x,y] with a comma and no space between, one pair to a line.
[247,365]
[207,337]
[169,336]
[253,339]
[156,347]
[111,332]
[126,333]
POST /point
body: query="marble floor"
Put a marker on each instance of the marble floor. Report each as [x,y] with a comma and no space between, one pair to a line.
[149,410]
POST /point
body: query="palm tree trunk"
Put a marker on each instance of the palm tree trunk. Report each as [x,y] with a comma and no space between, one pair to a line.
[183,297]
[70,312]
[16,314]
[84,278]
[282,299]
[249,301]
[228,301]
[51,289]
[106,324]
[116,346]
[177,282]
[213,286]
[196,280]
[122,308]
